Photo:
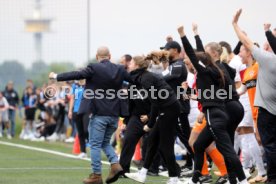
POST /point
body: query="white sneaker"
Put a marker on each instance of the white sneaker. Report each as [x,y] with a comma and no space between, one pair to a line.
[21,136]
[1,135]
[174,181]
[41,139]
[247,173]
[31,136]
[26,137]
[82,155]
[9,136]
[52,138]
[62,137]
[138,176]
[70,140]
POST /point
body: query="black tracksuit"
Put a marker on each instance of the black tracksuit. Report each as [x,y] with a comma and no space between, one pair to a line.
[217,119]
[138,105]
[232,103]
[234,109]
[164,128]
[177,75]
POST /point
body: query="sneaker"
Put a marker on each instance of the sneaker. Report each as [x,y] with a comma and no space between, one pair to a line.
[82,155]
[222,180]
[186,171]
[31,136]
[70,140]
[247,173]
[21,136]
[1,135]
[62,137]
[138,176]
[174,181]
[52,138]
[186,175]
[205,179]
[151,173]
[9,136]
[40,139]
[26,137]
[258,179]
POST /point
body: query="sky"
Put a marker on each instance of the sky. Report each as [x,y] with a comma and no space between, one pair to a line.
[125,26]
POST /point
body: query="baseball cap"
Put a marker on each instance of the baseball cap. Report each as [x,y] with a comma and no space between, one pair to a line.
[172,45]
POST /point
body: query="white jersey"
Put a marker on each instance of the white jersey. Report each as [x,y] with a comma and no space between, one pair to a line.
[247,120]
[237,64]
[194,104]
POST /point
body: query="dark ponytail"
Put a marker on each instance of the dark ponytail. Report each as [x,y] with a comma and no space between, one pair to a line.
[206,59]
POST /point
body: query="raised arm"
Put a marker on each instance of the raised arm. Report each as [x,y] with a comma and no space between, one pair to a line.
[237,48]
[189,50]
[199,44]
[270,37]
[246,41]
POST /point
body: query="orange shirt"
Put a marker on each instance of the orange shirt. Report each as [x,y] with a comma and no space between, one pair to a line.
[250,80]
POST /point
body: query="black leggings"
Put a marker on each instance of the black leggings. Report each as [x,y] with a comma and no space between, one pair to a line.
[267,129]
[133,134]
[183,132]
[235,112]
[82,121]
[216,130]
[162,138]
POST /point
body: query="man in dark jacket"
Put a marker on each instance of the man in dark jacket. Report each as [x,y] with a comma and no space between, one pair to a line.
[102,78]
[13,99]
[176,75]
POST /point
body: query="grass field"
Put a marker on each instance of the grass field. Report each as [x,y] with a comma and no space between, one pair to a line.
[22,166]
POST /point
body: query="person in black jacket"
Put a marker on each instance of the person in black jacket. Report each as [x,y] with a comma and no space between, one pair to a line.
[13,100]
[210,76]
[233,105]
[139,109]
[102,79]
[177,74]
[165,106]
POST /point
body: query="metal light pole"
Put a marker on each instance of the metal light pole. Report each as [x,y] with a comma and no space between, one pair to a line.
[38,25]
[88,30]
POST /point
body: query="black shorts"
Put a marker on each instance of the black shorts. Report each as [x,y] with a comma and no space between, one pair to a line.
[30,114]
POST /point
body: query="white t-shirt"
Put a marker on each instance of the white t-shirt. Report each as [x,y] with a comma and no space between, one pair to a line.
[265,96]
[3,102]
[237,64]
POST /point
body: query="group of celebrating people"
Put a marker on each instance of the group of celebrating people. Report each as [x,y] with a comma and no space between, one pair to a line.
[227,108]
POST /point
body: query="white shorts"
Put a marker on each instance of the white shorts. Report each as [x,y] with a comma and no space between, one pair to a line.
[193,116]
[4,117]
[247,120]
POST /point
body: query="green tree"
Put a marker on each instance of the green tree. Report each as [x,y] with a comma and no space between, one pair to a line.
[12,71]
